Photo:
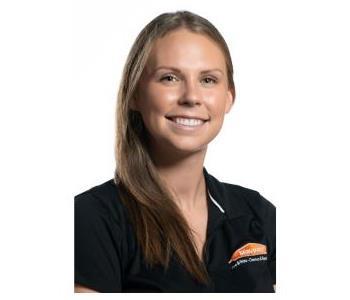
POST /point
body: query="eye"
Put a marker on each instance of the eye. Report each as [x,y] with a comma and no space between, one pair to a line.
[209,80]
[169,78]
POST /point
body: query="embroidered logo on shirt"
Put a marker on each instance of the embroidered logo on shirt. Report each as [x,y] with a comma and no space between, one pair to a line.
[250,250]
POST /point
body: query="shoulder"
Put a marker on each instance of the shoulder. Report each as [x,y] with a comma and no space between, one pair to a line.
[239,199]
[253,198]
[100,201]
[250,200]
[104,190]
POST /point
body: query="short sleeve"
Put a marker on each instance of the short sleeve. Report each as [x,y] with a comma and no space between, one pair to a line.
[97,240]
[269,223]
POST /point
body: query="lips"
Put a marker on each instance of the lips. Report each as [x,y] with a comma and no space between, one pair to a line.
[187,123]
[172,117]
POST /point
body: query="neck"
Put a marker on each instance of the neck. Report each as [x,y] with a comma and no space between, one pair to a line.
[185,179]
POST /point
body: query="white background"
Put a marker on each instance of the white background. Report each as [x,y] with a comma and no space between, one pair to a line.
[287,135]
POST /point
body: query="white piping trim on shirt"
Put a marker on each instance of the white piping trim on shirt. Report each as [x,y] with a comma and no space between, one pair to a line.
[217,204]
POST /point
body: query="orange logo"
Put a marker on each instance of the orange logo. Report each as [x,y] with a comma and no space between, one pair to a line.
[250,249]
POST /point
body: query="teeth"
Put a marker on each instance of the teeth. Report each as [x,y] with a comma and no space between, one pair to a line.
[188,122]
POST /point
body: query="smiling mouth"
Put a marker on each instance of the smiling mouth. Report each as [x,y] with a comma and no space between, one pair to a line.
[188,122]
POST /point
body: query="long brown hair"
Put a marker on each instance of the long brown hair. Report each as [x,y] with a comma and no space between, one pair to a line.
[160,228]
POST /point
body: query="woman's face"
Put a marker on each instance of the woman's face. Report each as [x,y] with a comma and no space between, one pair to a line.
[183,93]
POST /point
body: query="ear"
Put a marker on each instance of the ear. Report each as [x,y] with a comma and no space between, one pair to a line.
[230,99]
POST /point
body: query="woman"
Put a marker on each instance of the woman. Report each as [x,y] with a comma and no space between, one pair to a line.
[164,223]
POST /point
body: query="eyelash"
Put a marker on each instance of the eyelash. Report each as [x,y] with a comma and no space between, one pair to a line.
[213,80]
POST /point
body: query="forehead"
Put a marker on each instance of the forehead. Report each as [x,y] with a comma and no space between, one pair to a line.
[186,50]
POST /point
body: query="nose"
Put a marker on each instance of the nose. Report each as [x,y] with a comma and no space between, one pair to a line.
[191,95]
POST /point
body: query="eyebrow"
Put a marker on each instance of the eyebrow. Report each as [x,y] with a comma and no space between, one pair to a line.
[179,71]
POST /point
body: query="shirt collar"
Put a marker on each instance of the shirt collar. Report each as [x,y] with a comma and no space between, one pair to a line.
[228,203]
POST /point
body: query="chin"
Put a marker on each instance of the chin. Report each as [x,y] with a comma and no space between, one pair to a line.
[188,148]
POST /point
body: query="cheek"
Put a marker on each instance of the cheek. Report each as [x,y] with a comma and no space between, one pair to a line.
[216,101]
[159,100]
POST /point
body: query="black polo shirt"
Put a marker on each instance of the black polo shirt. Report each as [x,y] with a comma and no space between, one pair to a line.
[241,244]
